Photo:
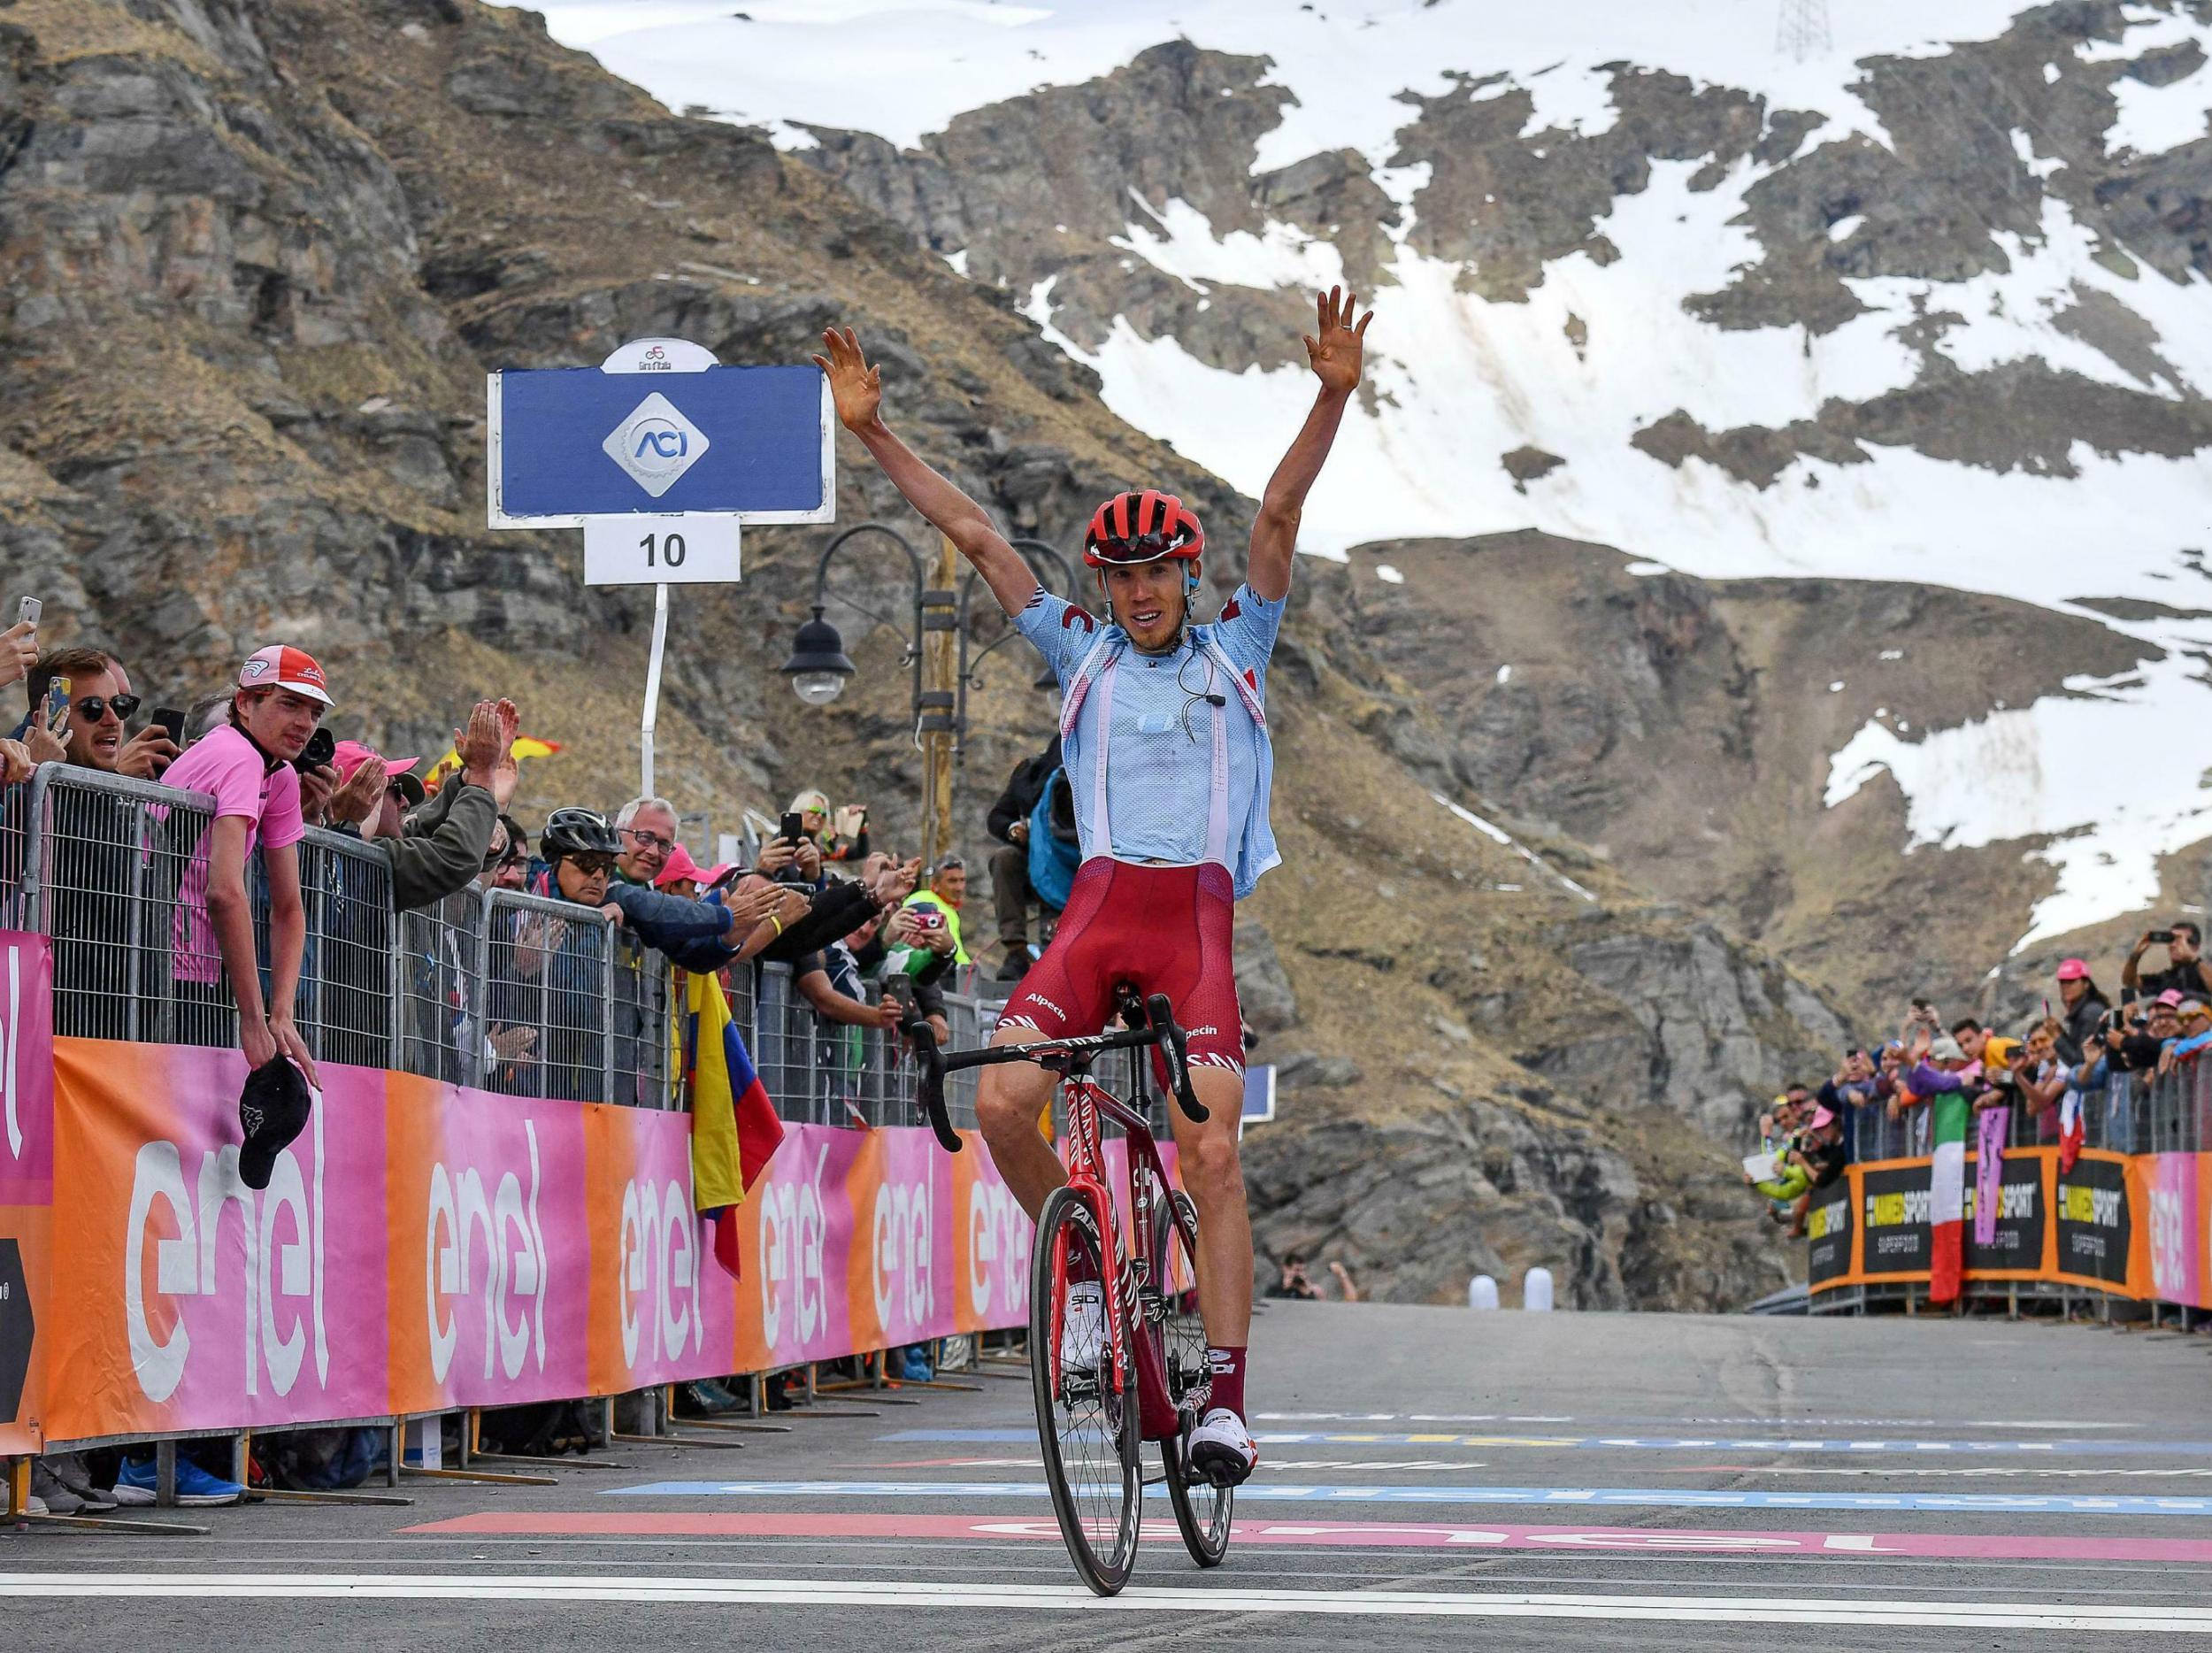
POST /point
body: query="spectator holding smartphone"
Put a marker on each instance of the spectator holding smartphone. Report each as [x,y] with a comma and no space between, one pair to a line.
[18,644]
[2187,971]
[88,729]
[247,765]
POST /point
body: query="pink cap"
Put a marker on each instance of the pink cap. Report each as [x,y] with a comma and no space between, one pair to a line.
[2072,970]
[350,755]
[280,666]
[1822,1117]
[2171,996]
[710,877]
[680,866]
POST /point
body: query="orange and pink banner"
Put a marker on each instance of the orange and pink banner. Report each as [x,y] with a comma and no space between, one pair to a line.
[422,1246]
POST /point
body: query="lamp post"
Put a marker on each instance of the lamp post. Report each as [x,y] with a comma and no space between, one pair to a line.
[818,665]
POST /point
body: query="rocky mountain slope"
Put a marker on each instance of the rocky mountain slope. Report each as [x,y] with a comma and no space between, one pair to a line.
[1927,308]
[257,255]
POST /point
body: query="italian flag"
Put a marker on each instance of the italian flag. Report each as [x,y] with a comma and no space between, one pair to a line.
[1946,1196]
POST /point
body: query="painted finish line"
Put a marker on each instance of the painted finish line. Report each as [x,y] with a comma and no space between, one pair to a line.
[543,1591]
[1348,1534]
[1648,1443]
[1276,1491]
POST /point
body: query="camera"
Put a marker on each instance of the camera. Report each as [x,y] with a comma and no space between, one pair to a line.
[320,748]
[2163,938]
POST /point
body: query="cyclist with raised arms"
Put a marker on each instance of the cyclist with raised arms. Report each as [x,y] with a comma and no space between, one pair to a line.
[1165,739]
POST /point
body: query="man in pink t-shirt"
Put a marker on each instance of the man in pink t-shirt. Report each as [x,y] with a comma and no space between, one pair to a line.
[246,766]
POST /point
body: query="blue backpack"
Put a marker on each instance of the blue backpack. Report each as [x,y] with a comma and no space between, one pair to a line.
[1054,852]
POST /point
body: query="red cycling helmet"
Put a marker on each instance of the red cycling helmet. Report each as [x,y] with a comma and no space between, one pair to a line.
[1142,528]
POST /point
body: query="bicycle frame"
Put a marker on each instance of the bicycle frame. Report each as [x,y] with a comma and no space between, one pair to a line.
[1158,1419]
[1150,1025]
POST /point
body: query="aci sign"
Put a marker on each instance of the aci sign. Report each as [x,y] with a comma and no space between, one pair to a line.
[568,444]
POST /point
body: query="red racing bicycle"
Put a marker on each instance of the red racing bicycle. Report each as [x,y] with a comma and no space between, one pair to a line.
[1112,1368]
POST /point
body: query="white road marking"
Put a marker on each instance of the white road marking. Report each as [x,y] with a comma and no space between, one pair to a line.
[262,1588]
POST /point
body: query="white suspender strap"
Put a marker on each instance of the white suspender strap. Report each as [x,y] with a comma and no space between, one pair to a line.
[1102,720]
[1218,809]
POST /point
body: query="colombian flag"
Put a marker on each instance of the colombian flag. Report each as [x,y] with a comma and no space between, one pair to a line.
[734,1130]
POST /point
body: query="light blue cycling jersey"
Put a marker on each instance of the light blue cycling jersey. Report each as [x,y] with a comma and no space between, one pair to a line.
[1161,776]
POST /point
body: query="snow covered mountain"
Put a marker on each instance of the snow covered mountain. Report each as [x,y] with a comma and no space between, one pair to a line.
[1927,304]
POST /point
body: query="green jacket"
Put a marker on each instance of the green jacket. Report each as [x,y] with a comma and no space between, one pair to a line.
[913,960]
[441,846]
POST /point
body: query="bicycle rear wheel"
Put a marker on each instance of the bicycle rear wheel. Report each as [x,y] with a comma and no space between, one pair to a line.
[1203,1511]
[1087,1411]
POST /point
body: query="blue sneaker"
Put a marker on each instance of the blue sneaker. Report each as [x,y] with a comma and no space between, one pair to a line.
[195,1487]
[916,1369]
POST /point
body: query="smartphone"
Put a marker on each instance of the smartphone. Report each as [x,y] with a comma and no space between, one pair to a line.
[321,746]
[170,721]
[58,708]
[793,829]
[28,611]
[2163,937]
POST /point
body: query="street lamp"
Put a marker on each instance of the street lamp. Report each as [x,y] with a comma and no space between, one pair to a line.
[818,665]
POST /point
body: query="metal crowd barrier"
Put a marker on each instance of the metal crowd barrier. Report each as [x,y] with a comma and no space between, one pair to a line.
[2128,1113]
[495,989]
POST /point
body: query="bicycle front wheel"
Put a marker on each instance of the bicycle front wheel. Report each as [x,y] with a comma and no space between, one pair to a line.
[1087,1410]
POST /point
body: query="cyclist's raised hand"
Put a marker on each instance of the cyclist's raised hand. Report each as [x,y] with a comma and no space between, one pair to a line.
[1337,351]
[857,387]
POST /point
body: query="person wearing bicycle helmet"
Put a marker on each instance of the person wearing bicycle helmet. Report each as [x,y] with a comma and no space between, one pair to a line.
[578,847]
[1164,738]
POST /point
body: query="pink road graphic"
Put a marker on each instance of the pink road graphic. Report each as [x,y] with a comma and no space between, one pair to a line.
[1357,1534]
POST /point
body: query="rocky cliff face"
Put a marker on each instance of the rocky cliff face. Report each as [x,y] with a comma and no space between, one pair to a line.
[258,254]
[1925,314]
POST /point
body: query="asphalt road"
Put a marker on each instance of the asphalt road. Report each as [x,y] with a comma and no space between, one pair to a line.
[1663,1481]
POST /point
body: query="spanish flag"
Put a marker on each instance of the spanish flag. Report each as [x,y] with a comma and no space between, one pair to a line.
[734,1130]
[524,746]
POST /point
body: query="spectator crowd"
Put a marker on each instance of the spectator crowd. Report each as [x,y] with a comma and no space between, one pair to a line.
[2059,1078]
[871,939]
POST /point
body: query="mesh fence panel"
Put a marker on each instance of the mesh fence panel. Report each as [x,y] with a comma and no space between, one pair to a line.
[442,1030]
[545,998]
[346,973]
[638,1009]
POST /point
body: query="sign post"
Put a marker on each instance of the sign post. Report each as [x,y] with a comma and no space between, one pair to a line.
[661,481]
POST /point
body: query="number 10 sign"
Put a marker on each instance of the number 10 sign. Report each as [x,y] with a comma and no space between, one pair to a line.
[693,548]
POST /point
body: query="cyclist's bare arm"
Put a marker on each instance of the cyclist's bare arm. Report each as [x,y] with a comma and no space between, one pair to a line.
[1335,354]
[857,389]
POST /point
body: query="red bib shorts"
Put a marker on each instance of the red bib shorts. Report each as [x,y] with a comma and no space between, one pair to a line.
[1162,929]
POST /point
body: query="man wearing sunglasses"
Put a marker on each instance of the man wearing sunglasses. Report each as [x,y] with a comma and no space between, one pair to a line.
[91,733]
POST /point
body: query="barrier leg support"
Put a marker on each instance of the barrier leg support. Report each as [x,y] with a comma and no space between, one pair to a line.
[165,1474]
[18,1486]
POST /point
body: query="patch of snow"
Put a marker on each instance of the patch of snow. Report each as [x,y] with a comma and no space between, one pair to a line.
[1891,654]
[1388,575]
[958,261]
[1836,688]
[1184,245]
[1505,674]
[2024,147]
[2155,118]
[1844,228]
[2050,74]
[2091,771]
[1644,570]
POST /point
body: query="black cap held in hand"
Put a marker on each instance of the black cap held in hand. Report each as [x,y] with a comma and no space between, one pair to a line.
[271,1111]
